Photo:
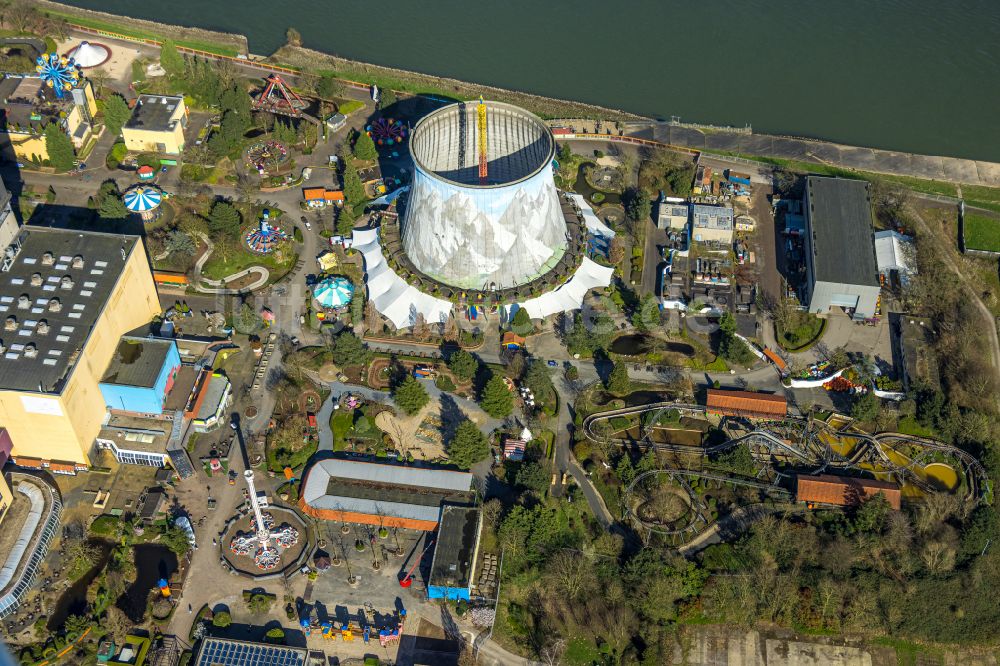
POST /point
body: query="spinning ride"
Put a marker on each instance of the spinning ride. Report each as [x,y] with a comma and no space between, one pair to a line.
[259,540]
[387,131]
[266,156]
[57,72]
[265,238]
[144,201]
[277,98]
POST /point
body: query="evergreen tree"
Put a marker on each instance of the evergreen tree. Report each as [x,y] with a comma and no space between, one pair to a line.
[497,400]
[59,148]
[521,323]
[386,99]
[349,350]
[410,396]
[224,218]
[354,191]
[468,446]
[364,148]
[171,61]
[618,381]
[463,364]
[116,113]
[112,208]
[328,87]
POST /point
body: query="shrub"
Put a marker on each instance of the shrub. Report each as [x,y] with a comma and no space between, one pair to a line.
[222,619]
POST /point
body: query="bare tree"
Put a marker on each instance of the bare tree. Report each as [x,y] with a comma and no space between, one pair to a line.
[551,654]
[117,624]
[20,15]
[492,509]
[569,573]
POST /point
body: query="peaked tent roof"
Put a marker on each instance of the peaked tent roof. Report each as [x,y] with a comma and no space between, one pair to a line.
[88,55]
[142,199]
[569,296]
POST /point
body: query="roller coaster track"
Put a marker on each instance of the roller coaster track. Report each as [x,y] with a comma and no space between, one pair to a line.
[810,451]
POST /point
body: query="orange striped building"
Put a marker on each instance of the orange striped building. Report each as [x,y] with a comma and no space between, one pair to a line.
[388,495]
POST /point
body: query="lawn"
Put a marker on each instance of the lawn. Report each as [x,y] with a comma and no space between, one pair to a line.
[278,263]
[982,233]
[804,331]
[909,426]
[140,34]
[341,423]
[581,651]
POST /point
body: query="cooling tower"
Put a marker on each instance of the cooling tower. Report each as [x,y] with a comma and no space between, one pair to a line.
[478,233]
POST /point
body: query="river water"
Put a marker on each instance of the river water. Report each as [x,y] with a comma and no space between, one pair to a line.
[912,75]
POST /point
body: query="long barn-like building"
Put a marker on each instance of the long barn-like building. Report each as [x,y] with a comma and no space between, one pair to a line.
[382,494]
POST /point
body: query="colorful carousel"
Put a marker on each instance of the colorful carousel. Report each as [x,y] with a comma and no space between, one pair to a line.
[57,72]
[144,201]
[333,292]
[266,238]
[387,131]
[266,157]
[250,544]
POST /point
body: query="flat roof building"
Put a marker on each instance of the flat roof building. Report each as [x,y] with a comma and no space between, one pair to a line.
[157,125]
[381,494]
[830,490]
[455,553]
[916,346]
[140,375]
[66,297]
[672,215]
[228,652]
[841,268]
[745,403]
[711,223]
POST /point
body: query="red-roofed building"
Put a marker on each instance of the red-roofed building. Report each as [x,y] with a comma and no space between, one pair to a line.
[745,403]
[829,490]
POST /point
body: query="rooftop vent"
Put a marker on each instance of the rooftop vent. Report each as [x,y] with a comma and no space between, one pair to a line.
[55,305]
[78,261]
[23,302]
[66,282]
[48,259]
[42,328]
[36,279]
[10,324]
[30,350]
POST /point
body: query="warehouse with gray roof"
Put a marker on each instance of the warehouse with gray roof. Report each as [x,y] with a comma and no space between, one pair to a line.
[841,268]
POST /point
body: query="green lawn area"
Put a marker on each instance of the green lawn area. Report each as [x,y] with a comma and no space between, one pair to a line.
[218,267]
[909,426]
[982,233]
[717,365]
[350,106]
[581,652]
[340,423]
[805,331]
[140,34]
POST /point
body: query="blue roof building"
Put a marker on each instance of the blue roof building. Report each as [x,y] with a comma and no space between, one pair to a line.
[140,375]
[455,553]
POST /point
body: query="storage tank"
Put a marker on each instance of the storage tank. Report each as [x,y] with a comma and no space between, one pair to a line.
[478,228]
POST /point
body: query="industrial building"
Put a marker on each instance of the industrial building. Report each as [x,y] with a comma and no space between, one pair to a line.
[157,125]
[212,395]
[455,553]
[829,490]
[140,375]
[381,494]
[496,226]
[841,268]
[895,256]
[66,297]
[672,215]
[745,403]
[917,337]
[711,224]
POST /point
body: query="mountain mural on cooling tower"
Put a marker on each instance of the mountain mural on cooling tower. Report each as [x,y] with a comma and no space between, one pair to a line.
[501,235]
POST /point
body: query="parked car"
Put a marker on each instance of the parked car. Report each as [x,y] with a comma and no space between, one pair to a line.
[308,226]
[552,363]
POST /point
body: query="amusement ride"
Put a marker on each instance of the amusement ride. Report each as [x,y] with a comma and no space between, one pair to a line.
[387,131]
[258,541]
[266,237]
[278,98]
[57,72]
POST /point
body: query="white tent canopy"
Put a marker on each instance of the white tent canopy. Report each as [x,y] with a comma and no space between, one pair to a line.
[398,301]
[569,297]
[594,224]
[893,252]
[90,55]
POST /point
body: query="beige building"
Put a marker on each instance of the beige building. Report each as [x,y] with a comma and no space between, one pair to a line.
[66,297]
[711,224]
[157,125]
[28,108]
[6,496]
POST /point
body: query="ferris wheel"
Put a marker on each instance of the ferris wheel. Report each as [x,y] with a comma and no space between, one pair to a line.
[387,131]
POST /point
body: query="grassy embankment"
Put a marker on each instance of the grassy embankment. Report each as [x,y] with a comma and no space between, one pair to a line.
[108,26]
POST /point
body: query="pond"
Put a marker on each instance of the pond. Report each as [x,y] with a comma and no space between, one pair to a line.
[638,343]
[152,562]
[74,600]
[583,188]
